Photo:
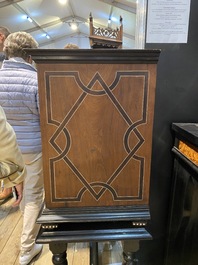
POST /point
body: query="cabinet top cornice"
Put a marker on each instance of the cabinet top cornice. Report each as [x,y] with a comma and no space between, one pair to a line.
[95,55]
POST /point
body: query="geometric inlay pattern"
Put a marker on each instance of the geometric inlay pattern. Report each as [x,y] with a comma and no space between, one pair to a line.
[62,140]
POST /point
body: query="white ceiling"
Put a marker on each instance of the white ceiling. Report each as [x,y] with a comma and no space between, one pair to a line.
[51,18]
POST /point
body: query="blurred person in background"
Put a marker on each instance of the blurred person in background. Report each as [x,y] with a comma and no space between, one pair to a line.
[4,32]
[71,46]
[19,99]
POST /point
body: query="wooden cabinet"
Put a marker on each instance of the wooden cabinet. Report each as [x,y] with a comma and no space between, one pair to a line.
[96,110]
[183,223]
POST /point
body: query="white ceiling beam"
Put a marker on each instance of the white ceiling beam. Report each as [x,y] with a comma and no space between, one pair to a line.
[62,20]
[38,27]
[9,2]
[130,8]
[50,24]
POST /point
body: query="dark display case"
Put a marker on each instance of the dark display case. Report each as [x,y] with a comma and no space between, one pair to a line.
[183,224]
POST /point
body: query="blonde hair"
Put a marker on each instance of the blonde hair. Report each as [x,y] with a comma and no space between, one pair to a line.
[71,46]
[4,31]
[16,42]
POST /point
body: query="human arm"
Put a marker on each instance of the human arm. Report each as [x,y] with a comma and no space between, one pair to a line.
[11,163]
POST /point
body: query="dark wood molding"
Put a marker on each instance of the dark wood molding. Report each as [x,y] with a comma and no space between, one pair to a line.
[94,56]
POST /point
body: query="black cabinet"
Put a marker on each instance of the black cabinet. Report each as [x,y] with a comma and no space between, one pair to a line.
[182,244]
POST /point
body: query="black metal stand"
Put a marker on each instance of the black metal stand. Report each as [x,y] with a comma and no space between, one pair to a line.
[93,253]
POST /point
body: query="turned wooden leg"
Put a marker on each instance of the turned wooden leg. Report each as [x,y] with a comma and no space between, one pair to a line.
[59,251]
[129,249]
[129,259]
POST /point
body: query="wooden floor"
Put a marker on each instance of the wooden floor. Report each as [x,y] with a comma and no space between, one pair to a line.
[110,253]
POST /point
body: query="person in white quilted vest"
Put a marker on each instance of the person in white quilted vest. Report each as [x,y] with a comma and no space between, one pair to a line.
[19,99]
